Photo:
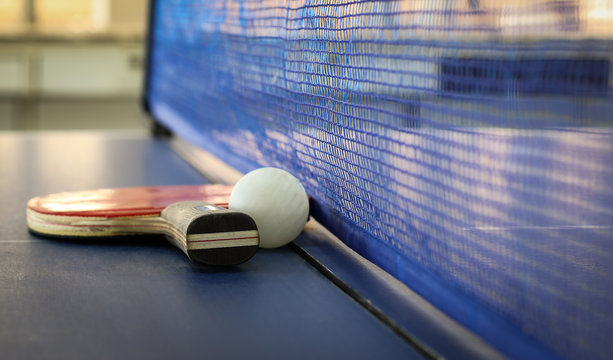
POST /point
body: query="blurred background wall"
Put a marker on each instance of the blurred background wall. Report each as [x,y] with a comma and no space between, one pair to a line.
[71,64]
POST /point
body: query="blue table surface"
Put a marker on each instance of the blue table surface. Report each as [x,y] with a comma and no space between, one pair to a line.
[141,297]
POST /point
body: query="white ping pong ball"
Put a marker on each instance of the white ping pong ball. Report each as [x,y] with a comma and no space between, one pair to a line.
[276,200]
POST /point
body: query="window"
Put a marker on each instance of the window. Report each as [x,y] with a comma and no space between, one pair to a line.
[60,13]
[11,13]
[73,15]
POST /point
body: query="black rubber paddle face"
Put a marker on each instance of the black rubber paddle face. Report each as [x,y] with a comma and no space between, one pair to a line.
[235,232]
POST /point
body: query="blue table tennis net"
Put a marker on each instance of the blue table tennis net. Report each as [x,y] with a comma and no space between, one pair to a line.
[465,147]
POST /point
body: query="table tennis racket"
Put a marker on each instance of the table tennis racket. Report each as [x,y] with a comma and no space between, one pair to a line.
[193,217]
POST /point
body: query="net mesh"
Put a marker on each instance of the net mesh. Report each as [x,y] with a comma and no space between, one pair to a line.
[463,146]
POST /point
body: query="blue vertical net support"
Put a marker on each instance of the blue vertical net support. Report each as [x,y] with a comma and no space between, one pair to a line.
[466,147]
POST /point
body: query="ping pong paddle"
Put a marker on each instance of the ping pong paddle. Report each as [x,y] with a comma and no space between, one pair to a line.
[193,217]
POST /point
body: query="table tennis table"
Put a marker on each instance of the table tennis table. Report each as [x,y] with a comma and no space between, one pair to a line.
[142,298]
